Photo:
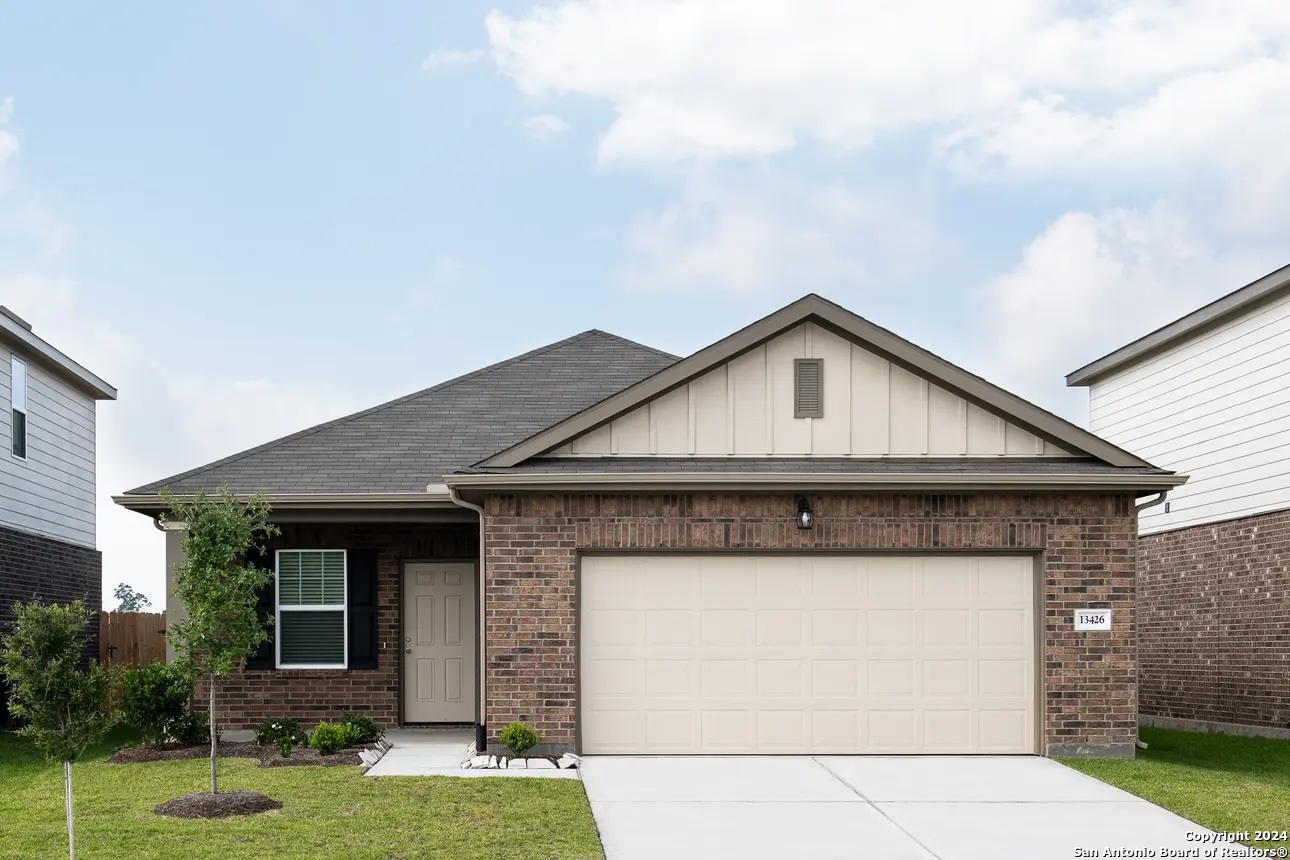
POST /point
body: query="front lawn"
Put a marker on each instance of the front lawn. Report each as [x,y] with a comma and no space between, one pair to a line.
[1225,783]
[333,812]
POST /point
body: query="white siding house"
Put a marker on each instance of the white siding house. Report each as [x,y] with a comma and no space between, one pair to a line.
[47,427]
[1207,396]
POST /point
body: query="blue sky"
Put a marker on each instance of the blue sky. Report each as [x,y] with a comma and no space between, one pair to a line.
[253,217]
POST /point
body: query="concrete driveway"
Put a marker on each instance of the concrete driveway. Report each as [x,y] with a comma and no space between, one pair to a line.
[886,808]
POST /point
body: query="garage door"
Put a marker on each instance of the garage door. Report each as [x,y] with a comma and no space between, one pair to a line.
[730,654]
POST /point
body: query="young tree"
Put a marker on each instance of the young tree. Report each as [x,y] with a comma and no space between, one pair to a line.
[129,600]
[217,587]
[64,704]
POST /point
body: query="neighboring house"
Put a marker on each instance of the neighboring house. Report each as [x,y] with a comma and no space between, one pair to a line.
[46,475]
[811,536]
[1209,395]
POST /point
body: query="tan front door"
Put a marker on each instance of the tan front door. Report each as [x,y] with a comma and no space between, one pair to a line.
[439,643]
[730,654]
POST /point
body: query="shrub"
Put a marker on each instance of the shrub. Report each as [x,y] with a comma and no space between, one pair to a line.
[281,732]
[276,729]
[368,730]
[154,697]
[333,737]
[520,738]
[192,729]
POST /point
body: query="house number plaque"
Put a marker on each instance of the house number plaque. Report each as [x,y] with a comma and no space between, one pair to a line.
[1093,619]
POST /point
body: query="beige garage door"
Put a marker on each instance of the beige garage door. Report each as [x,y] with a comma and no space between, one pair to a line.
[729,654]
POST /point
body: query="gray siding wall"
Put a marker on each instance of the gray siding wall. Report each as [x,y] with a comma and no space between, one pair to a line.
[51,493]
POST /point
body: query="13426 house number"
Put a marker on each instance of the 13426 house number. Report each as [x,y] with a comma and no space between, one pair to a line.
[1093,619]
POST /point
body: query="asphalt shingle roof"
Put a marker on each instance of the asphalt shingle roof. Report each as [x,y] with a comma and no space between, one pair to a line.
[403,445]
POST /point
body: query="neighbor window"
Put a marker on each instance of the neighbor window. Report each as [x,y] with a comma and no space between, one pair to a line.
[311,609]
[18,405]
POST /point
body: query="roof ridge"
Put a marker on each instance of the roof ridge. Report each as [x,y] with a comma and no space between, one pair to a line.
[336,422]
[634,343]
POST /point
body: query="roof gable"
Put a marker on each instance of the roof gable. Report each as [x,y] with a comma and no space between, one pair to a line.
[947,386]
[403,445]
[870,408]
[1244,300]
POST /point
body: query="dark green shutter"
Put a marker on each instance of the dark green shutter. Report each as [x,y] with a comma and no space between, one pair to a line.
[266,605]
[361,587]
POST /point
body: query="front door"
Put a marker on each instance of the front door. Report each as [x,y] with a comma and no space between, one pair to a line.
[439,642]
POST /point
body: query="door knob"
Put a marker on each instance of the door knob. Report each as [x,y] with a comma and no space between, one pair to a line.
[407,650]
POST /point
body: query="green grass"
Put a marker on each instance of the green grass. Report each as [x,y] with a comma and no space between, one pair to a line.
[333,812]
[1224,783]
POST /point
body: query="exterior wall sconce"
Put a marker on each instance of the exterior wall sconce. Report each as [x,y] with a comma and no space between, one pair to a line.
[805,516]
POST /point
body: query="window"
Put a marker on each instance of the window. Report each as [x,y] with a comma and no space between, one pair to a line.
[18,405]
[311,609]
[808,392]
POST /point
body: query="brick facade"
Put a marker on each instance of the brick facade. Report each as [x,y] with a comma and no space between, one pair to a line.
[1214,622]
[1087,543]
[41,568]
[310,695]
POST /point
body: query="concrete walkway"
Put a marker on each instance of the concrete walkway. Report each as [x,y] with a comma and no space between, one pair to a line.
[438,752]
[895,808]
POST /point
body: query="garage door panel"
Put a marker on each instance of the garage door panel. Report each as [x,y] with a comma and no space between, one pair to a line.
[822,654]
[891,628]
[835,679]
[729,628]
[947,628]
[671,627]
[947,678]
[836,627]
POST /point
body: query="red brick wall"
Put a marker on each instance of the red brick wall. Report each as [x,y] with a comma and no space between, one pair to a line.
[1088,542]
[1214,624]
[311,695]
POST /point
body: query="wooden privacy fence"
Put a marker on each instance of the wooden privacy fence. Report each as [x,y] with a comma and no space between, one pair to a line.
[131,638]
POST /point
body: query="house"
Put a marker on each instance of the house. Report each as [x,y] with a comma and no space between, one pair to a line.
[47,513]
[810,536]
[1209,395]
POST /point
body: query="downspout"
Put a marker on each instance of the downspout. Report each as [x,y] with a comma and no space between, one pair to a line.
[1141,744]
[1151,504]
[481,727]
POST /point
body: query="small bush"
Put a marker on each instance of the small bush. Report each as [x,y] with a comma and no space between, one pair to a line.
[192,729]
[368,730]
[275,729]
[520,738]
[329,738]
[281,732]
[154,698]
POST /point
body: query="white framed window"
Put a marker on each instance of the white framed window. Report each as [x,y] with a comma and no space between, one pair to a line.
[18,407]
[312,630]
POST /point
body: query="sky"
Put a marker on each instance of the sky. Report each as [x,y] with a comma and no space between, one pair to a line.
[253,217]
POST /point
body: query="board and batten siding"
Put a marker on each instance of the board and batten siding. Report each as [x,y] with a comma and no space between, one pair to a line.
[1215,407]
[872,408]
[51,492]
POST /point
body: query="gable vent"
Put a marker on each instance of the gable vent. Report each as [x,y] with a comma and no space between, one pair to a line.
[808,392]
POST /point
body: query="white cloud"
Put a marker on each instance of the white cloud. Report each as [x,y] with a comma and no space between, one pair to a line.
[758,236]
[1158,79]
[8,140]
[444,58]
[1091,283]
[545,126]
[1229,124]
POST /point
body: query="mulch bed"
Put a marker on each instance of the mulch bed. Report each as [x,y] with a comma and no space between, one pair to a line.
[203,804]
[268,756]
